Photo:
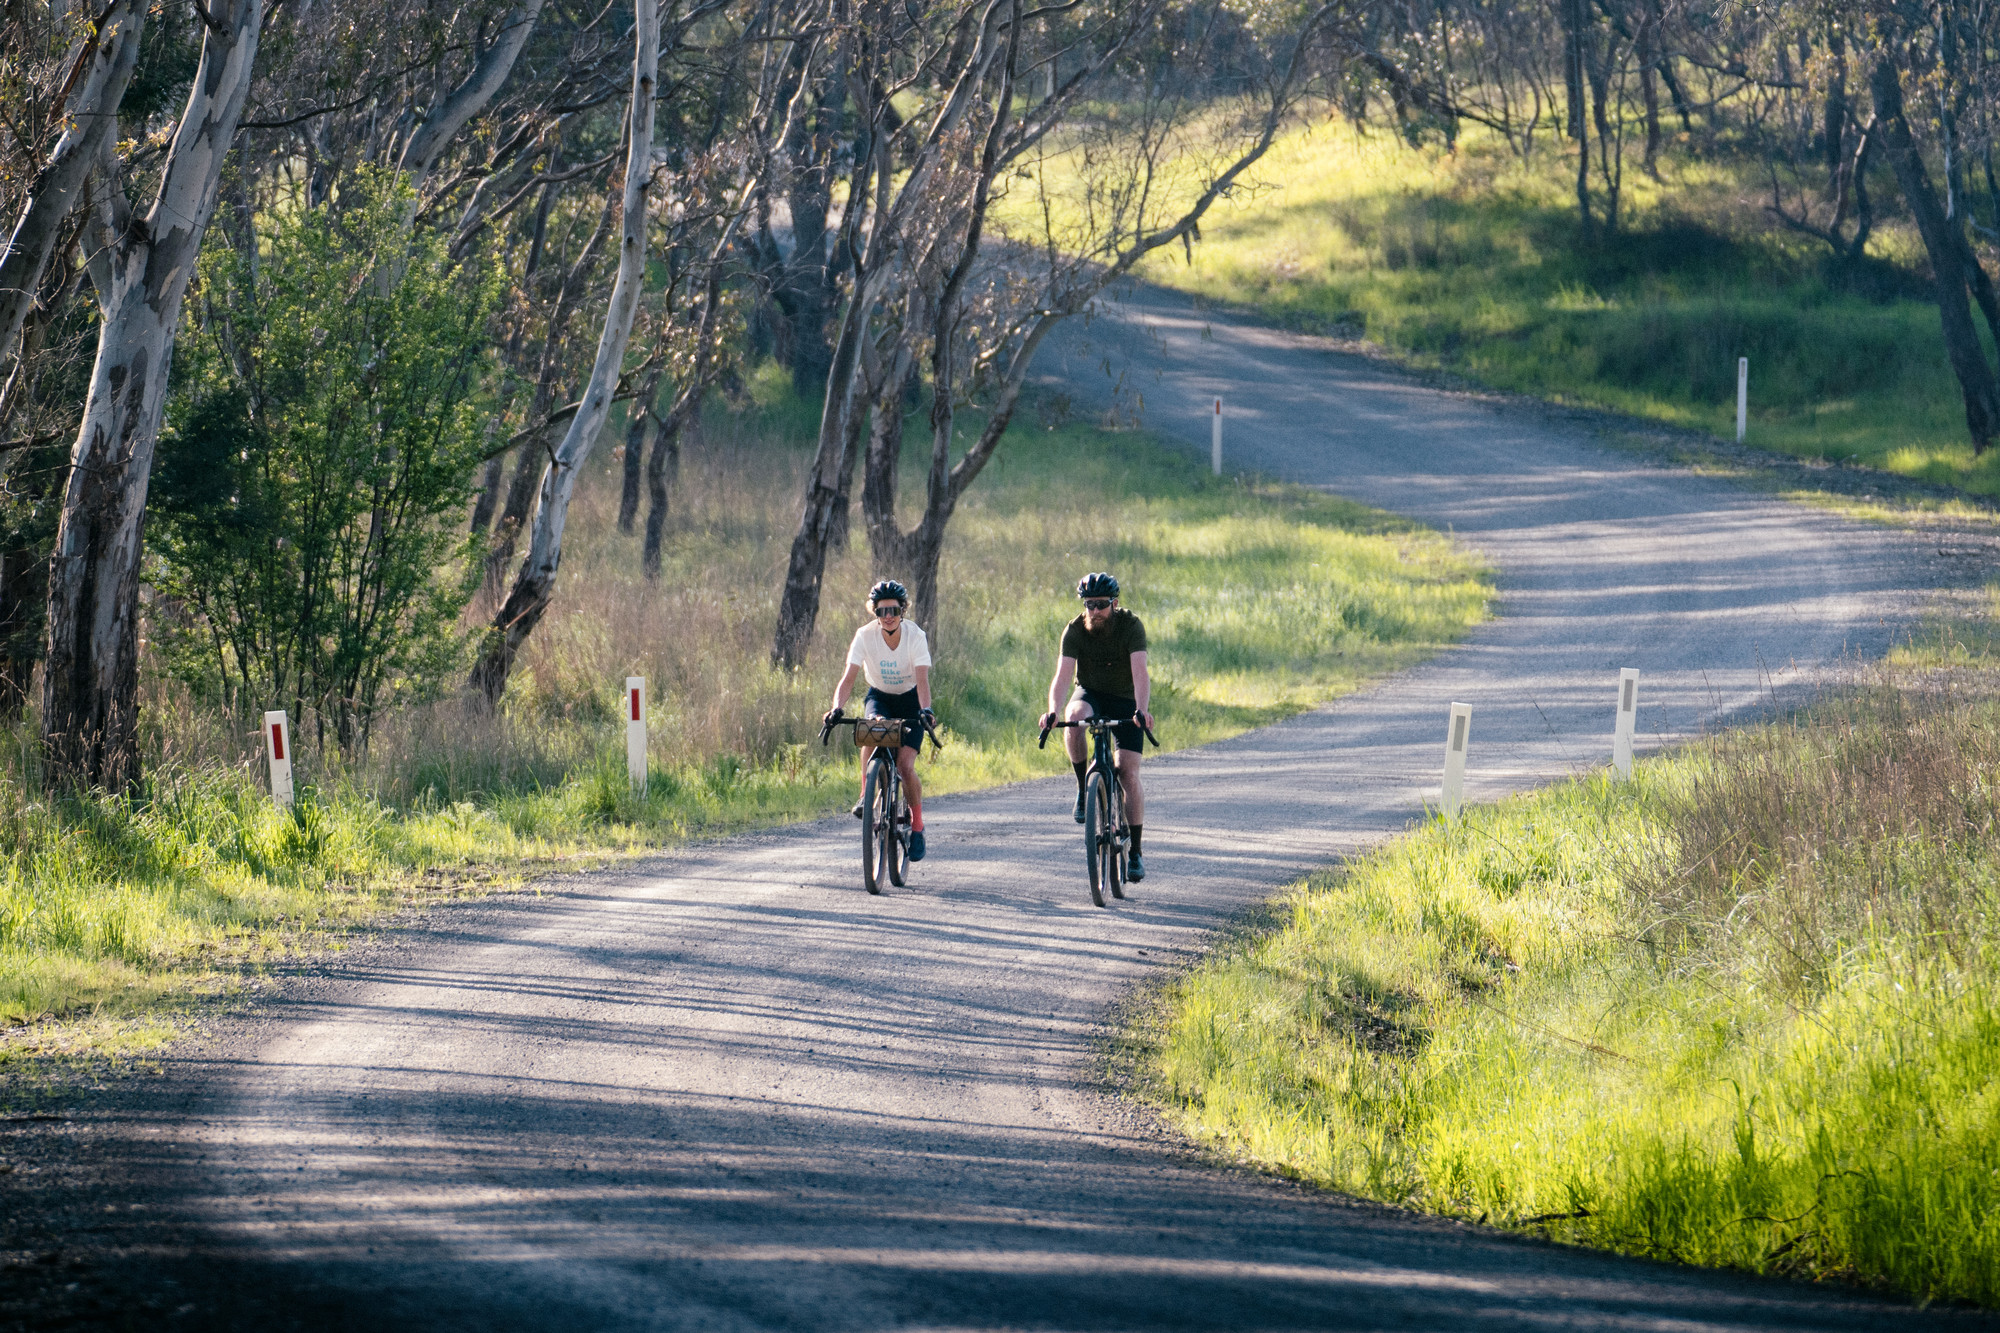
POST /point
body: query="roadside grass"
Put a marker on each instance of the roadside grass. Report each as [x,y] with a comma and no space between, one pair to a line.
[1740,1011]
[1260,600]
[1472,261]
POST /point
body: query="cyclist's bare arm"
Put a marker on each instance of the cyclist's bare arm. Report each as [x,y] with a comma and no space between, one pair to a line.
[847,683]
[923,687]
[1142,687]
[1059,688]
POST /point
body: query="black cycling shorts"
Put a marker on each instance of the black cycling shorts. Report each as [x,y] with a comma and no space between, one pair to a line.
[1112,707]
[905,706]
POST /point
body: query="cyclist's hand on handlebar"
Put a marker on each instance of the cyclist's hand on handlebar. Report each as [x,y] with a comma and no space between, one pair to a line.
[833,715]
[928,718]
[1048,720]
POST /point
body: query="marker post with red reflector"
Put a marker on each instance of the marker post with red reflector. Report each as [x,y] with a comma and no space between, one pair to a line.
[1215,441]
[635,732]
[278,748]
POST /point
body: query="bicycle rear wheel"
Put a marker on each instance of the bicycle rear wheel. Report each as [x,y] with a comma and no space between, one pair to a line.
[1096,832]
[877,836]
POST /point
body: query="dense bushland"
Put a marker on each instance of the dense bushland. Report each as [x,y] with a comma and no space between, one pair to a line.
[1738,1011]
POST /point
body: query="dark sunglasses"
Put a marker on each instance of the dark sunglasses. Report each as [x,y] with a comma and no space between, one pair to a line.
[888,609]
[1097,603]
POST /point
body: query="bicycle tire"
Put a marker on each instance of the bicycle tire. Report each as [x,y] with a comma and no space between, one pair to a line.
[1096,810]
[898,840]
[874,825]
[1114,844]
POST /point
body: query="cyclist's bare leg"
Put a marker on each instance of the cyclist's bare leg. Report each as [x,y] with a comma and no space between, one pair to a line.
[1075,740]
[867,753]
[913,790]
[1135,794]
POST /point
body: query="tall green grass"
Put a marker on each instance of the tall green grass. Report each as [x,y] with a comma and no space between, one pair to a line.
[1260,600]
[1742,1010]
[1473,261]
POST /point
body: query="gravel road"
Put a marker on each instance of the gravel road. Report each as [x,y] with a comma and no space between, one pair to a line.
[727,1090]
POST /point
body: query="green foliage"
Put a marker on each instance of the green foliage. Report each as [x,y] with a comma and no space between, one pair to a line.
[318,454]
[1738,1011]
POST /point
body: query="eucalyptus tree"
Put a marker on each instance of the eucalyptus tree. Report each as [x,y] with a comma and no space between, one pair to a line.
[1110,186]
[140,266]
[718,193]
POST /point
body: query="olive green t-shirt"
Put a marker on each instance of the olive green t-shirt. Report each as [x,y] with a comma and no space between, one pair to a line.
[1104,658]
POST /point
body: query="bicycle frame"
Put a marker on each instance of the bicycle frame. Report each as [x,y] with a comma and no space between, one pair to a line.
[885,815]
[1106,834]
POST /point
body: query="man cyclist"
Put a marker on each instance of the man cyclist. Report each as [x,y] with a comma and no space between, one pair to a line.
[1104,653]
[896,658]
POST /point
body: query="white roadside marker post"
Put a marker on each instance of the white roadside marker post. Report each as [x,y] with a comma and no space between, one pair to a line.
[1742,396]
[635,732]
[278,748]
[1628,713]
[1457,734]
[1215,441]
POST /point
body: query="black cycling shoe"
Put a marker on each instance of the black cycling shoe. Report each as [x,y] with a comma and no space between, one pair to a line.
[1079,807]
[857,810]
[916,844]
[1135,869]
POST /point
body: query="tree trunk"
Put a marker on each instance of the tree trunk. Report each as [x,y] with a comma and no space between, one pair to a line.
[98,79]
[489,494]
[90,680]
[640,433]
[798,606]
[662,466]
[1947,249]
[886,543]
[535,584]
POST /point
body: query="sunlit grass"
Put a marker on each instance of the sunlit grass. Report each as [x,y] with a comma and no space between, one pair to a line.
[1472,261]
[1260,599]
[1739,1011]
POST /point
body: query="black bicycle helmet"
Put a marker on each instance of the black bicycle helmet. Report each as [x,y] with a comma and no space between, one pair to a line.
[888,590]
[1097,585]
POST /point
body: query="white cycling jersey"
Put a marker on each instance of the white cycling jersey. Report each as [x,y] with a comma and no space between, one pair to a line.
[890,670]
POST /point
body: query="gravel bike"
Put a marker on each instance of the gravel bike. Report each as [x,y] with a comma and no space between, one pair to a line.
[885,815]
[1105,833]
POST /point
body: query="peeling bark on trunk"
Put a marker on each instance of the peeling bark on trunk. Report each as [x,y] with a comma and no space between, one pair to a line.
[98,84]
[90,682]
[533,587]
[1945,242]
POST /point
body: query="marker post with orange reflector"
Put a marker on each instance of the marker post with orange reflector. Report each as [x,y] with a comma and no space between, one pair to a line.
[278,747]
[1215,441]
[635,731]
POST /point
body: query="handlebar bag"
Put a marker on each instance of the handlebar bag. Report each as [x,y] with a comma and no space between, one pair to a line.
[878,731]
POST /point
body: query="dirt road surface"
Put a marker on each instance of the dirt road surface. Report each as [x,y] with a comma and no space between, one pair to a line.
[727,1090]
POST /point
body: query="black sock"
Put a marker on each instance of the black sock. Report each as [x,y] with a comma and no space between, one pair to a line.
[1137,829]
[1081,769]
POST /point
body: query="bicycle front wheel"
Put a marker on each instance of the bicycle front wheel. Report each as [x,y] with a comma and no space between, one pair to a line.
[899,832]
[1114,844]
[877,833]
[1097,833]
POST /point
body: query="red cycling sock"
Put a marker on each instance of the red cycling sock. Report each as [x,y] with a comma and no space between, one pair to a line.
[916,816]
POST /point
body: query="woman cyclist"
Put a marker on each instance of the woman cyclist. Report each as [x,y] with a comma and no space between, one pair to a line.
[896,658]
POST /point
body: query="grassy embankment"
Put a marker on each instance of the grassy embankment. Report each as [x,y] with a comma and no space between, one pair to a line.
[1740,1011]
[1472,262]
[1261,600]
